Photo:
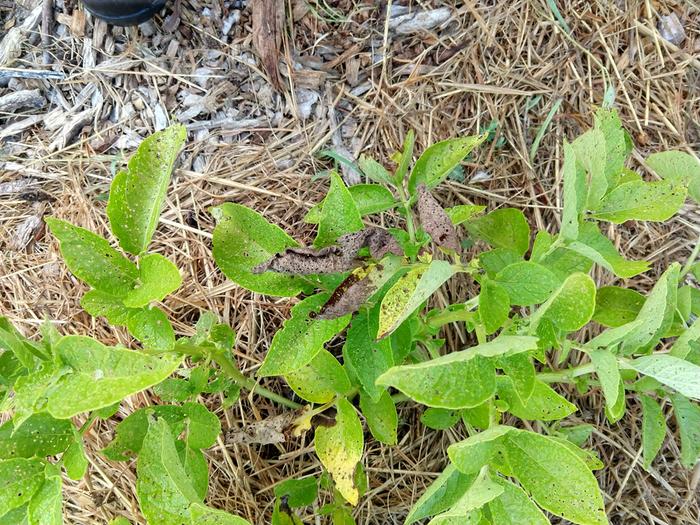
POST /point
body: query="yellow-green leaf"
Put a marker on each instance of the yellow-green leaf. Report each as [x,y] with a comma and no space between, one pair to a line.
[157,278]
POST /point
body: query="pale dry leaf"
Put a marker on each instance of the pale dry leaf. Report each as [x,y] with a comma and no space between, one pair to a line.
[266,432]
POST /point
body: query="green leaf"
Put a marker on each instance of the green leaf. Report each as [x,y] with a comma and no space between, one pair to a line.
[196,467]
[608,371]
[409,292]
[558,480]
[203,515]
[152,327]
[158,277]
[100,376]
[544,404]
[405,160]
[521,371]
[615,412]
[616,143]
[439,418]
[671,371]
[440,159]
[444,492]
[282,515]
[12,341]
[301,338]
[571,306]
[614,336]
[457,380]
[339,447]
[682,347]
[463,213]
[494,306]
[653,429]
[593,245]
[299,492]
[162,486]
[364,355]
[590,154]
[369,199]
[102,304]
[31,391]
[119,521]
[504,228]
[617,306]
[656,314]
[514,506]
[481,492]
[527,283]
[339,214]
[494,261]
[40,435]
[688,420]
[242,240]
[577,434]
[643,201]
[90,258]
[46,506]
[575,195]
[137,194]
[75,461]
[172,390]
[20,478]
[381,417]
[471,454]
[320,380]
[679,166]
[375,171]
[342,516]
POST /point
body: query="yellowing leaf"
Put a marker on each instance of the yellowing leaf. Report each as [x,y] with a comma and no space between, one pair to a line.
[409,292]
[339,447]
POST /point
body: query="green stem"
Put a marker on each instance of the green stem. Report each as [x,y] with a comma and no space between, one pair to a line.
[567,375]
[691,260]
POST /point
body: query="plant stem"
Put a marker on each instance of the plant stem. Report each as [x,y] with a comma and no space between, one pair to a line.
[567,375]
[249,384]
[691,260]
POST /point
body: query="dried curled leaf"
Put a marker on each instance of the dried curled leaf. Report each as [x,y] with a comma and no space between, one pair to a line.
[435,220]
[357,288]
[332,259]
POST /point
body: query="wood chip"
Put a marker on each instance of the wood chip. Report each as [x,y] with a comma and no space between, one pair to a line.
[268,24]
[27,98]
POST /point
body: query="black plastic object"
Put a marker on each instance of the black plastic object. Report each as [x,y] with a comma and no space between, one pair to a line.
[124,12]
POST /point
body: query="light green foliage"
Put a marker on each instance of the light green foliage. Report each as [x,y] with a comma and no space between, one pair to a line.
[608,372]
[99,376]
[440,159]
[462,213]
[137,194]
[571,306]
[574,195]
[683,345]
[521,372]
[494,306]
[152,328]
[615,306]
[91,259]
[364,355]
[403,161]
[301,338]
[75,461]
[368,198]
[46,506]
[339,214]
[158,277]
[439,418]
[339,447]
[409,292]
[321,380]
[242,240]
[643,201]
[687,416]
[544,404]
[504,228]
[557,479]
[41,435]
[677,165]
[20,479]
[381,417]
[470,455]
[527,283]
[481,492]
[444,492]
[514,507]
[653,429]
[589,149]
[375,171]
[101,304]
[203,515]
[671,371]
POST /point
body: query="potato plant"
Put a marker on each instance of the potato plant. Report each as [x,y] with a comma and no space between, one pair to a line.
[370,288]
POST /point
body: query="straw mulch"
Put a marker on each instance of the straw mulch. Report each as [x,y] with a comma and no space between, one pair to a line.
[350,81]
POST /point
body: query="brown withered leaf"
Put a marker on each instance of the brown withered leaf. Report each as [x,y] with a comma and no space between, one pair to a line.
[268,24]
[332,259]
[435,221]
[268,431]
